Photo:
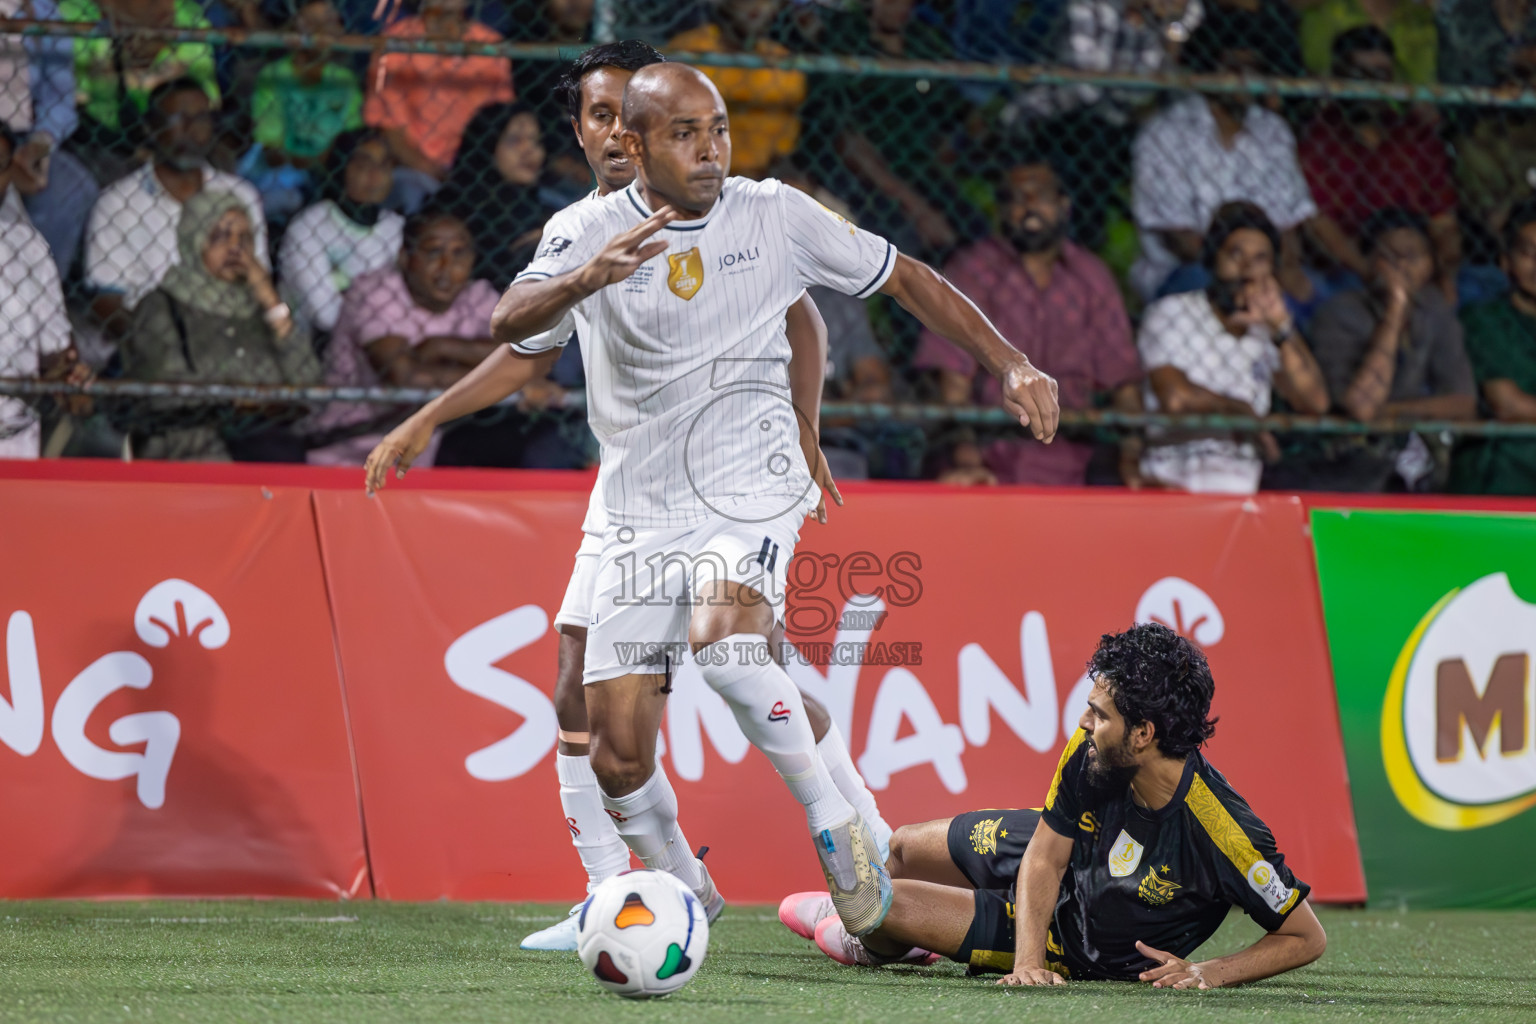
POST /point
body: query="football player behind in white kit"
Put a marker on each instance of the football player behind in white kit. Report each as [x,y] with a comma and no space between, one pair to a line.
[703,479]
[592,90]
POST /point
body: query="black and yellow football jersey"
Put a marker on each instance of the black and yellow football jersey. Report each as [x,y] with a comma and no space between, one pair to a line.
[1165,877]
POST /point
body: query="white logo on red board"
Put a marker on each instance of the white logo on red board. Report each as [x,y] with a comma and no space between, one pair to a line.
[171,610]
[905,729]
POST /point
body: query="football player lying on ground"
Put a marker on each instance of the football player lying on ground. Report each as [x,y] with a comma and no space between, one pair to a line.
[1145,848]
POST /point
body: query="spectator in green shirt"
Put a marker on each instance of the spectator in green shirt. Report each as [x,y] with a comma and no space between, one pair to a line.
[1501,341]
[300,103]
[1410,25]
[114,77]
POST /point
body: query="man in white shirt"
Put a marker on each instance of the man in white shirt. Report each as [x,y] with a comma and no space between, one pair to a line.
[1206,150]
[131,240]
[1220,351]
[702,477]
[34,331]
[592,89]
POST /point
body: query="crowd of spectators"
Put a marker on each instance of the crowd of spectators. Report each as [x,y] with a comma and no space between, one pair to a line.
[180,212]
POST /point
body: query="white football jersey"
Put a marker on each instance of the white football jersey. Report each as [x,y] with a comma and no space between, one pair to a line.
[687,359]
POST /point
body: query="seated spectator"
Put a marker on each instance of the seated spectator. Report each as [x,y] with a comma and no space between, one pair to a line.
[1393,351]
[884,143]
[857,371]
[422,101]
[34,330]
[1220,351]
[494,189]
[1501,344]
[216,319]
[560,23]
[1087,128]
[37,102]
[764,103]
[1478,38]
[115,78]
[1281,32]
[1361,156]
[1055,301]
[301,102]
[422,323]
[1409,23]
[131,241]
[961,462]
[1207,150]
[346,234]
[1496,159]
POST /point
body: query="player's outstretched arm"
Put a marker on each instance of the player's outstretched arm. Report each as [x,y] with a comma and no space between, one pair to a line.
[531,306]
[807,333]
[1298,942]
[1028,393]
[501,374]
[1039,883]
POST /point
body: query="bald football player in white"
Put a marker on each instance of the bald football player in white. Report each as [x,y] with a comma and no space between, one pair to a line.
[702,478]
[592,89]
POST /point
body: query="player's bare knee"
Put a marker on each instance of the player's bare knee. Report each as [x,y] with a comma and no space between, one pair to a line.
[899,846]
[617,774]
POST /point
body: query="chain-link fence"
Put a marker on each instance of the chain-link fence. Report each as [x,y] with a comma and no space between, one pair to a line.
[1255,242]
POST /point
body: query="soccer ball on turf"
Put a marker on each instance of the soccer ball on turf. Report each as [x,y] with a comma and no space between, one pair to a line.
[642,934]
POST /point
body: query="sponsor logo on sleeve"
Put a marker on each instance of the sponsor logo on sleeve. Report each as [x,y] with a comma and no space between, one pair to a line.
[1265,881]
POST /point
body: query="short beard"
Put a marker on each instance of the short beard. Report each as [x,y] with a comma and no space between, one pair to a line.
[1111,771]
[1036,241]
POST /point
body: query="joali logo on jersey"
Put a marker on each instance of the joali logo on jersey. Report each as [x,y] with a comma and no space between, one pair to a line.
[738,259]
[1456,722]
[686,274]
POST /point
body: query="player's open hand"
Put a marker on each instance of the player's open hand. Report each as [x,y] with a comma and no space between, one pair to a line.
[1172,971]
[1030,395]
[821,472]
[400,447]
[625,252]
[1031,976]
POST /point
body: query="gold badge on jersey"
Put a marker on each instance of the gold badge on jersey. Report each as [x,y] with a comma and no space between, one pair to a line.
[984,835]
[1156,891]
[686,275]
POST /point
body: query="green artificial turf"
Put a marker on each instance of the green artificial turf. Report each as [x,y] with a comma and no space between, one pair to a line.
[220,961]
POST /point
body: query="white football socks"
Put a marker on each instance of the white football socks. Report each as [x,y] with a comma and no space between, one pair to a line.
[647,821]
[834,754]
[768,708]
[597,841]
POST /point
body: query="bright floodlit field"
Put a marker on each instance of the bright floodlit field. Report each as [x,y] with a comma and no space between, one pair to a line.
[208,961]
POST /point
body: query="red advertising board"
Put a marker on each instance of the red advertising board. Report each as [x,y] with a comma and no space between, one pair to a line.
[173,722]
[978,614]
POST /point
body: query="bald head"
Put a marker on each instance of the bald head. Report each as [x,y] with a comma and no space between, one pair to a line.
[657,92]
[677,137]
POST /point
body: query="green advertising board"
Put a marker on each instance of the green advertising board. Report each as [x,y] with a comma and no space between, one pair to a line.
[1432,627]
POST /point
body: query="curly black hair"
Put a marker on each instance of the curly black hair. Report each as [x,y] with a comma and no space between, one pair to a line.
[626,55]
[1155,675]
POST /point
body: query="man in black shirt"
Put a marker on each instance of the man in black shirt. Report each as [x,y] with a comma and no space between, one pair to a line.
[1145,848]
